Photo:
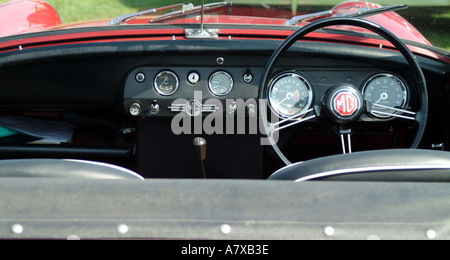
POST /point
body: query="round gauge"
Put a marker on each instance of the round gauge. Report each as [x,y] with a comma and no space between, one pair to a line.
[386,90]
[166,83]
[290,94]
[220,83]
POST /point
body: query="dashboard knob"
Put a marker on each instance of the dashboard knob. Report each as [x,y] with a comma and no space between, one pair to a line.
[135,109]
[199,145]
[251,111]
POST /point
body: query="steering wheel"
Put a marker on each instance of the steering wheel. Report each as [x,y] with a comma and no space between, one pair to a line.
[326,109]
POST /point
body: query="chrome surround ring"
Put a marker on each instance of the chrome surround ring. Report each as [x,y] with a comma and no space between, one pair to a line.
[403,85]
[157,88]
[308,87]
[229,88]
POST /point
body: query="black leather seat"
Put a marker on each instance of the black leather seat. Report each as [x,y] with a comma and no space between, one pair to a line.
[57,168]
[379,165]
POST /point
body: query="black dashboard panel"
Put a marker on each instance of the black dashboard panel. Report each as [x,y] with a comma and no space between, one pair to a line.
[140,87]
[144,93]
[96,75]
[98,83]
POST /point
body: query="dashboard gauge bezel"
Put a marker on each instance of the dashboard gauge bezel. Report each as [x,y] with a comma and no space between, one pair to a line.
[174,77]
[229,87]
[401,82]
[309,88]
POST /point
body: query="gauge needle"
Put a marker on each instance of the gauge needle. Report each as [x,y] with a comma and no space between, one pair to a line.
[164,81]
[288,96]
[295,96]
[384,96]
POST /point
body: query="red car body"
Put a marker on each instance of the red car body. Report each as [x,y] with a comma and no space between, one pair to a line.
[25,16]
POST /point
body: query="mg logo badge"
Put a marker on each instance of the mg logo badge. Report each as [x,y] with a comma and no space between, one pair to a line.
[345,104]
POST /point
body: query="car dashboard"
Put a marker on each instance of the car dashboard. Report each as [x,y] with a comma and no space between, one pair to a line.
[122,99]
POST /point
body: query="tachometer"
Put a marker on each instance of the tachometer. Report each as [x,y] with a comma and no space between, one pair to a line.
[220,83]
[290,94]
[166,83]
[386,90]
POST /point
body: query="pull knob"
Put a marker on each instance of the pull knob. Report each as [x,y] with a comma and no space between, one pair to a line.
[199,146]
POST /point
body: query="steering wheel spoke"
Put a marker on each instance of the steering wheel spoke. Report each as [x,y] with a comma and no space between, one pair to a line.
[293,120]
[386,111]
[346,140]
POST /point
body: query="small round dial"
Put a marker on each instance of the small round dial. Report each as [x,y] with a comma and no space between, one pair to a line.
[290,94]
[385,90]
[220,83]
[166,83]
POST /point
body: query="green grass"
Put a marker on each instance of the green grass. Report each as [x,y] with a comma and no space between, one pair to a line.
[435,28]
[431,17]
[81,10]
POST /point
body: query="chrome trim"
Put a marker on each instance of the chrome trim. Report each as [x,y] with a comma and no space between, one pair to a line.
[372,111]
[293,117]
[395,109]
[107,165]
[373,169]
[362,12]
[347,133]
[364,169]
[298,121]
[349,141]
[190,108]
[190,9]
[392,115]
[124,18]
[306,17]
[201,34]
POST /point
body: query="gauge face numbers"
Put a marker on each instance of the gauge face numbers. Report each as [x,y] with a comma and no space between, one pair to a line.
[290,94]
[385,90]
[220,83]
[166,83]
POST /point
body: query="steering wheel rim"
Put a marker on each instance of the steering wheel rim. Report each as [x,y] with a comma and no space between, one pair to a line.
[421,115]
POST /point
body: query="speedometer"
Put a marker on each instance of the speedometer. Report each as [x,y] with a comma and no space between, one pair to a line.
[290,94]
[385,90]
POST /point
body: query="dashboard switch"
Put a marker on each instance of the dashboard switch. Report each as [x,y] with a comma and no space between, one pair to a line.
[193,78]
[248,77]
[154,108]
